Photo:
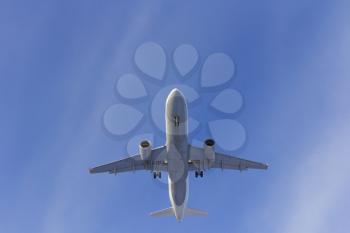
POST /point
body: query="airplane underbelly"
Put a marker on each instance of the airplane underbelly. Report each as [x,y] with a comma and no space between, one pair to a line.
[178,193]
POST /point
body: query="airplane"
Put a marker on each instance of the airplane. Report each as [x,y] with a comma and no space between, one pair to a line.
[177,157]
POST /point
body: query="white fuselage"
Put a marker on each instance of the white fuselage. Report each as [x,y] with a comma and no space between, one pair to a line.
[177,151]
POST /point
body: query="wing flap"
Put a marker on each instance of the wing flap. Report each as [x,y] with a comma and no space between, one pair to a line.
[230,162]
[123,165]
[135,163]
[198,160]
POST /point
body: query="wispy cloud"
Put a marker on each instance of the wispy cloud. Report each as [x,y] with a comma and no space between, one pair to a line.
[319,183]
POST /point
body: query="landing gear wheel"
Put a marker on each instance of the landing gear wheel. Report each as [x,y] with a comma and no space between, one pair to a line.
[201,173]
[157,174]
[196,174]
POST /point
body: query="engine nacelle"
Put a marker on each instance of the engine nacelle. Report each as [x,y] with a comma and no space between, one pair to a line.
[209,151]
[145,149]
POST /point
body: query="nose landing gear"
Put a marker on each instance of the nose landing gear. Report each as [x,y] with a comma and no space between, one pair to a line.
[176,121]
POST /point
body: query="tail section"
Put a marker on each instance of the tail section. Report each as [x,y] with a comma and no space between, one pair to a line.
[195,212]
[162,213]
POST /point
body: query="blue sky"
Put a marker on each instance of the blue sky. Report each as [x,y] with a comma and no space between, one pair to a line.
[59,61]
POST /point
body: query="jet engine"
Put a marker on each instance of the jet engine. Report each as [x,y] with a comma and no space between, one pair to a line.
[145,149]
[209,149]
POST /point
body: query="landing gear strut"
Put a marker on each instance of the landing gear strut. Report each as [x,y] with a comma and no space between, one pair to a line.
[157,174]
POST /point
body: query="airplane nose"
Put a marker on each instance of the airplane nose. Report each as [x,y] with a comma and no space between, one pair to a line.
[175,92]
[176,106]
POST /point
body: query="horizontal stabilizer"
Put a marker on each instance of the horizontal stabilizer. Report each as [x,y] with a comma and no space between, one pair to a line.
[162,213]
[196,212]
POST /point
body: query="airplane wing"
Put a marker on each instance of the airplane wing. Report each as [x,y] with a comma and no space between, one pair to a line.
[198,161]
[134,163]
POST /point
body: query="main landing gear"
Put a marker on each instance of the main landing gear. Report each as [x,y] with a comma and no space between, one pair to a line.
[157,174]
[198,173]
